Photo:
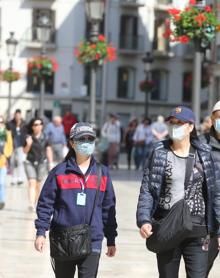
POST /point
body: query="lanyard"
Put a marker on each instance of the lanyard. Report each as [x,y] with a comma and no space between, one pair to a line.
[83,183]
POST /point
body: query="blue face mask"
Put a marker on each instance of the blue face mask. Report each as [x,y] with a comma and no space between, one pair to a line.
[217,125]
[85,148]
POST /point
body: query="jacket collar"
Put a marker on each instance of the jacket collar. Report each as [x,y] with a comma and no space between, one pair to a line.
[71,165]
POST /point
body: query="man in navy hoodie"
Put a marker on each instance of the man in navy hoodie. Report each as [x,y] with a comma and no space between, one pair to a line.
[68,196]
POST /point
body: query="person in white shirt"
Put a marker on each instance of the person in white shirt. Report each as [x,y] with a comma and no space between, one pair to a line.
[112,131]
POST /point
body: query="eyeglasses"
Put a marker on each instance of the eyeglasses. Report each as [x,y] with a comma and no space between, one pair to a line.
[85,139]
[37,124]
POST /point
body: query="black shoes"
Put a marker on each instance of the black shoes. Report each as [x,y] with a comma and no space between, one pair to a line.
[2,205]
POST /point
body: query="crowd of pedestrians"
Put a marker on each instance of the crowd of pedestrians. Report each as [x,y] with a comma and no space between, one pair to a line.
[179,165]
[28,150]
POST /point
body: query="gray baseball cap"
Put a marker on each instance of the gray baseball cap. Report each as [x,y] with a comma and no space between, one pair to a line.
[81,129]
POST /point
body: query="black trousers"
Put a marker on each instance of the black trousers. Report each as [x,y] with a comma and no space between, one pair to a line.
[212,253]
[87,268]
[195,258]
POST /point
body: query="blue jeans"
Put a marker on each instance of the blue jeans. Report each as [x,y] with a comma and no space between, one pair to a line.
[139,156]
[3,173]
[195,258]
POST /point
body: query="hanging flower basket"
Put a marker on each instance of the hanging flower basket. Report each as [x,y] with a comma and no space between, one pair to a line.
[146,86]
[10,75]
[42,66]
[193,24]
[89,52]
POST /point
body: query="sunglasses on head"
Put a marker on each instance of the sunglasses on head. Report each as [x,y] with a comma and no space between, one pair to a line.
[86,139]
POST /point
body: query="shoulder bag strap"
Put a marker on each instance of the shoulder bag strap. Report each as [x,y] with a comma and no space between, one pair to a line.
[189,165]
[99,176]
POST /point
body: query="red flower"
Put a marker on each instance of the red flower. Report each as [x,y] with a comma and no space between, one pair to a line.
[200,18]
[167,33]
[101,38]
[111,53]
[184,39]
[177,17]
[208,9]
[76,52]
[93,46]
[97,56]
[173,11]
[192,2]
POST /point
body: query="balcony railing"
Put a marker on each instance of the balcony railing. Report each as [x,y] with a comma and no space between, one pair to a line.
[132,3]
[131,44]
[31,39]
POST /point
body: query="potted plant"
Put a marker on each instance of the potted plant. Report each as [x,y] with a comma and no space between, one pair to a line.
[193,24]
[146,85]
[10,75]
[95,52]
[45,66]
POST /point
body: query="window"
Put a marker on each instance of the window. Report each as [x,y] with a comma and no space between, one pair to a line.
[38,13]
[126,81]
[160,78]
[129,38]
[159,42]
[187,87]
[33,84]
[87,80]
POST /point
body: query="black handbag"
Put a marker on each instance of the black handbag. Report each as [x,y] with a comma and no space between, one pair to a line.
[73,243]
[169,231]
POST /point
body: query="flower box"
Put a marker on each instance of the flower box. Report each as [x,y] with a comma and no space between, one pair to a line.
[95,52]
[10,75]
[193,24]
[42,66]
[146,86]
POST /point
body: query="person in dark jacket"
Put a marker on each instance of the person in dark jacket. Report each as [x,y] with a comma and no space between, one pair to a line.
[163,186]
[59,198]
[212,138]
[19,131]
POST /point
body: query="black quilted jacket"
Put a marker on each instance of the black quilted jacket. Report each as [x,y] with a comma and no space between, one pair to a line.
[154,179]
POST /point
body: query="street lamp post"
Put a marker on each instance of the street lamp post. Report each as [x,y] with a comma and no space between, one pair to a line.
[196,103]
[43,33]
[147,60]
[94,12]
[11,50]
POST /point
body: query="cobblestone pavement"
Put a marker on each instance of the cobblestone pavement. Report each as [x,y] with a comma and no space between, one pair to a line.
[18,259]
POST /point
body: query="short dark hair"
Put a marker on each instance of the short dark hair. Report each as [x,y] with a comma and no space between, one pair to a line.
[18,111]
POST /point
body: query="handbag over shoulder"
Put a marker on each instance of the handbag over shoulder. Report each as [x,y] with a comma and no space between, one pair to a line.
[169,231]
[74,243]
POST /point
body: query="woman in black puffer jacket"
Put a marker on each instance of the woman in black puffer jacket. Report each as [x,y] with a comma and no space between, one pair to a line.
[163,186]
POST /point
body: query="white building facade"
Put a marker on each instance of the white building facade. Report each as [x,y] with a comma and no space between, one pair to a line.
[133,26]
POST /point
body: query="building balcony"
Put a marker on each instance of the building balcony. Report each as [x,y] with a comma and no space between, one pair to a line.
[31,39]
[132,45]
[132,3]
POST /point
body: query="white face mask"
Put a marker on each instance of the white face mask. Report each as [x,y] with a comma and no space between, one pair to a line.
[177,132]
[217,125]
